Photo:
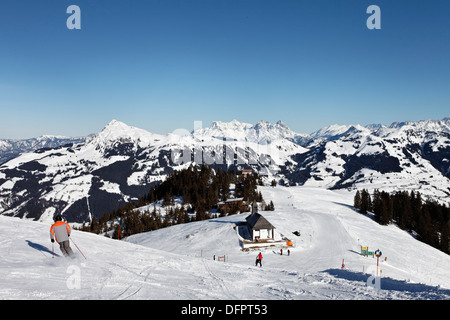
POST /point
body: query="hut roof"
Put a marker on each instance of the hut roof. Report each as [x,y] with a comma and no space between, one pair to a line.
[256,221]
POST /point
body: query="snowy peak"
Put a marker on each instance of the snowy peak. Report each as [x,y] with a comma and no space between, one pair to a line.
[262,132]
[117,132]
[330,131]
[424,125]
[233,130]
[270,131]
[115,125]
[336,131]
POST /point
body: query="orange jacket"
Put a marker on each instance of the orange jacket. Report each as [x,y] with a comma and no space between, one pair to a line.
[60,231]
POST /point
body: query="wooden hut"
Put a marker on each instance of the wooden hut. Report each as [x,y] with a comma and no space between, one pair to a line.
[259,228]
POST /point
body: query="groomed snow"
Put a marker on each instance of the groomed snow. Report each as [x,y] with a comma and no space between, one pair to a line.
[177,262]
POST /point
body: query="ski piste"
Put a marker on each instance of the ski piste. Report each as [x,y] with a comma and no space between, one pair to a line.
[176,263]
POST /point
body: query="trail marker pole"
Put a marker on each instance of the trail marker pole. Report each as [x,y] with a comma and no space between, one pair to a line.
[378,255]
[377,265]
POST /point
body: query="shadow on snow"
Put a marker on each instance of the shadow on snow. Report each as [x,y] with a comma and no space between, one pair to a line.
[40,248]
[387,283]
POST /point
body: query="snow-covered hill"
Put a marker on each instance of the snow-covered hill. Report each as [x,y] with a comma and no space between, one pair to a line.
[177,262]
[121,163]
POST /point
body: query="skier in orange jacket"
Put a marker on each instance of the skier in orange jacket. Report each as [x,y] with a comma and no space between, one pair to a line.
[60,231]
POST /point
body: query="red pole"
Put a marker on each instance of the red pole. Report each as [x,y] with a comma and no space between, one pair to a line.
[378,258]
[77,248]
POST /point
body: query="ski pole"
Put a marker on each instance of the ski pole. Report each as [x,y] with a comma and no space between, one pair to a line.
[77,248]
[53,250]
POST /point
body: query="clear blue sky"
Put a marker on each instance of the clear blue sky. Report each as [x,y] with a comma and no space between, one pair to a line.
[161,64]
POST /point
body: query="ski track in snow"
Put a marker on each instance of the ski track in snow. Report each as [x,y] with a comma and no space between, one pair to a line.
[176,262]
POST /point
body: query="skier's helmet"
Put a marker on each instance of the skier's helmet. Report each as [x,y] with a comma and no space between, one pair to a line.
[57,218]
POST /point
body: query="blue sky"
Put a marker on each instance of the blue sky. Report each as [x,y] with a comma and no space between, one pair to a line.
[162,64]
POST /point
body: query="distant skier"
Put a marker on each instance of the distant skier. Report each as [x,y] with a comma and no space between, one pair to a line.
[258,259]
[60,231]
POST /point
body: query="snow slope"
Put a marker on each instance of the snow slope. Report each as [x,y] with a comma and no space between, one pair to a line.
[176,262]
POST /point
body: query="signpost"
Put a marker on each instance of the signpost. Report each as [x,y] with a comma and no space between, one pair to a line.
[364,251]
[378,255]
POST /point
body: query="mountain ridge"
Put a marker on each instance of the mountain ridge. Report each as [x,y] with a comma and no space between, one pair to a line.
[121,163]
[11,148]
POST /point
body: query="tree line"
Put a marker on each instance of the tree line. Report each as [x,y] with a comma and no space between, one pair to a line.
[427,219]
[199,189]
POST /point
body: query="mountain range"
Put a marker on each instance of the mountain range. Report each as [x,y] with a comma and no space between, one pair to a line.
[11,148]
[83,178]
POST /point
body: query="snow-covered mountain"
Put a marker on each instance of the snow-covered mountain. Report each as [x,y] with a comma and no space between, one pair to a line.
[409,155]
[121,163]
[117,165]
[176,263]
[10,148]
[262,133]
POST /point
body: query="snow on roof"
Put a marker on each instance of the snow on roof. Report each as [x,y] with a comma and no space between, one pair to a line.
[231,200]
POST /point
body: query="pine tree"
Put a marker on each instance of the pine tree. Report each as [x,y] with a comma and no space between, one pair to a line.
[357,200]
[95,226]
[430,220]
[416,207]
[424,225]
[377,205]
[445,237]
[366,202]
[387,208]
